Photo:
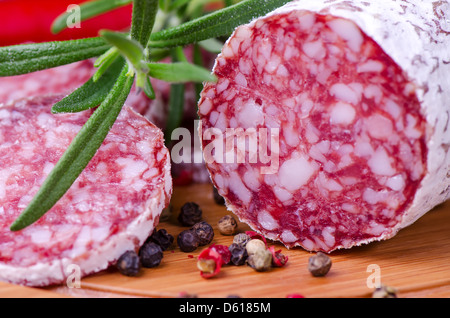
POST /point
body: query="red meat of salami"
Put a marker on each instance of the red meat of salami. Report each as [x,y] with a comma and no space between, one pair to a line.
[112,207]
[352,99]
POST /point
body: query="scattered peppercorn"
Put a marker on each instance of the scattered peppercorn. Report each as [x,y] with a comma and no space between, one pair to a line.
[227,225]
[206,259]
[254,245]
[319,264]
[187,241]
[204,233]
[217,197]
[260,260]
[278,259]
[129,264]
[238,254]
[150,255]
[241,239]
[162,238]
[190,214]
[384,292]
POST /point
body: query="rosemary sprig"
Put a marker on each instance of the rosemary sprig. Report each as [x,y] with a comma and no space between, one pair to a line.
[123,59]
[216,24]
[27,58]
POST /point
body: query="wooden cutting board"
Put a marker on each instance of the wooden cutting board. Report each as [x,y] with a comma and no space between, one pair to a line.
[416,262]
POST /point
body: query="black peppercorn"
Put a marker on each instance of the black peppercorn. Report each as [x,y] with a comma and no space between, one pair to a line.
[204,233]
[319,264]
[150,255]
[190,214]
[129,264]
[217,197]
[187,241]
[162,238]
[238,254]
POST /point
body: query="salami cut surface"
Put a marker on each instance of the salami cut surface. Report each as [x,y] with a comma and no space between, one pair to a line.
[112,207]
[352,99]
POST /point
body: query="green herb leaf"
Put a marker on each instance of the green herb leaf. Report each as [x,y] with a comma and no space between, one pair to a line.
[92,93]
[88,10]
[144,13]
[27,58]
[105,62]
[180,72]
[131,49]
[78,155]
[216,24]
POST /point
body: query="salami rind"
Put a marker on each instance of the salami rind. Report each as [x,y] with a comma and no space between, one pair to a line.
[112,207]
[359,92]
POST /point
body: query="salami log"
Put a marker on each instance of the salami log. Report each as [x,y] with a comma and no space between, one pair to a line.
[352,98]
[112,207]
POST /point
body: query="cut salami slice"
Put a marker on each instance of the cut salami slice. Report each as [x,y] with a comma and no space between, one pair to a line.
[113,206]
[353,97]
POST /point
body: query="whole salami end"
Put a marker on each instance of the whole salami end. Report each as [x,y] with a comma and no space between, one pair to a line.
[112,207]
[352,117]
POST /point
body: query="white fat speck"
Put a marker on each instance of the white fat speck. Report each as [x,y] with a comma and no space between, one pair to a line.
[314,50]
[282,194]
[373,91]
[205,107]
[306,21]
[370,66]
[348,31]
[40,235]
[238,188]
[379,126]
[349,207]
[240,80]
[312,134]
[296,172]
[273,64]
[100,233]
[288,237]
[363,148]
[342,113]
[380,163]
[308,244]
[250,115]
[345,93]
[396,183]
[410,130]
[267,221]
[251,179]
[328,236]
[132,169]
[373,197]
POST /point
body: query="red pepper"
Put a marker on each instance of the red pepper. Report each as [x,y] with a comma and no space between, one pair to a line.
[211,254]
[278,259]
[23,21]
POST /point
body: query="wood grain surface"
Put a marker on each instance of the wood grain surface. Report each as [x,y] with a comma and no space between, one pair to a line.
[416,262]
